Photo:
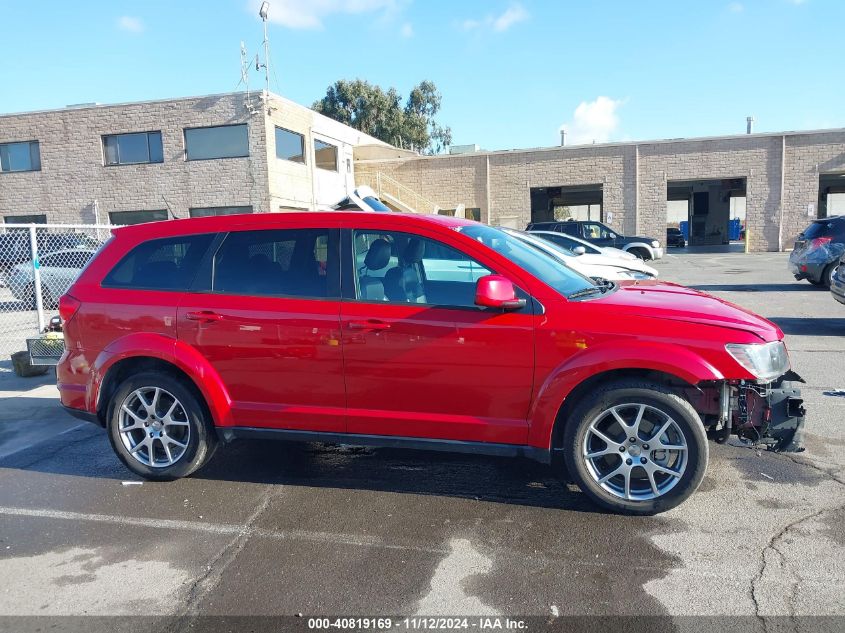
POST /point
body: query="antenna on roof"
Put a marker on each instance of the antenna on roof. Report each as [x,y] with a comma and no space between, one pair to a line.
[245,64]
[264,13]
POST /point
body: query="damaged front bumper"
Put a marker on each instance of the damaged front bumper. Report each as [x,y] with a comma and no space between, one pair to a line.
[770,414]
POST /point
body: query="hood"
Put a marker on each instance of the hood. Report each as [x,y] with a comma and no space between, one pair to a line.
[640,238]
[618,253]
[671,302]
[617,262]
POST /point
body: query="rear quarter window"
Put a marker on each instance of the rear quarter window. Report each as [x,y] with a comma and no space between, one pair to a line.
[829,228]
[163,264]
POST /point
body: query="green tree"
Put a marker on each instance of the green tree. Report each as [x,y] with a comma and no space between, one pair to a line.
[380,113]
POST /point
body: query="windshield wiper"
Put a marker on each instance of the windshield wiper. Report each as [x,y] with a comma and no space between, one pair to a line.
[586,292]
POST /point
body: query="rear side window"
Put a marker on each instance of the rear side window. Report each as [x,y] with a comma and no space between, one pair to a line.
[278,263]
[570,228]
[827,228]
[165,264]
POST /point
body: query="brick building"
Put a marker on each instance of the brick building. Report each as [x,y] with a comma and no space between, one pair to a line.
[773,183]
[134,162]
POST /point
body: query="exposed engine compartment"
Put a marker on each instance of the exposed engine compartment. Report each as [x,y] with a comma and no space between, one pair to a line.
[767,414]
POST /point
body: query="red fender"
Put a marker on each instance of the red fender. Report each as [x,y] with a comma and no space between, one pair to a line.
[177,353]
[684,364]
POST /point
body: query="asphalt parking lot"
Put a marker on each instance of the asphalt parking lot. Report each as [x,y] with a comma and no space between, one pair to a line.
[275,529]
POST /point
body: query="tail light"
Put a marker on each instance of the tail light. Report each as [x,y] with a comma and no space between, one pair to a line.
[821,241]
[68,306]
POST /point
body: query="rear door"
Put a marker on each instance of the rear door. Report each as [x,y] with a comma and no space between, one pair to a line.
[266,316]
[421,360]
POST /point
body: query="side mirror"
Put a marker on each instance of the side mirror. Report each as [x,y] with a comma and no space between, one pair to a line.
[495,291]
[579,250]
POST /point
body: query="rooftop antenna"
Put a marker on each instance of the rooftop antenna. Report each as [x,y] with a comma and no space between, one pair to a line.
[245,64]
[263,13]
[749,125]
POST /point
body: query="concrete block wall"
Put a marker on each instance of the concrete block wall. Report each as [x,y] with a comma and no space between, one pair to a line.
[634,178]
[72,173]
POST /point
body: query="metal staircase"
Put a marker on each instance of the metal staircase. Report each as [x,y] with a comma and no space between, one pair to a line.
[396,195]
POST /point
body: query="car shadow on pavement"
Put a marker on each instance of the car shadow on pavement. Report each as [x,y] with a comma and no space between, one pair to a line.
[85,452]
[478,477]
[810,326]
[796,287]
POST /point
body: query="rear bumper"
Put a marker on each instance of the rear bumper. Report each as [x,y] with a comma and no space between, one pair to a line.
[809,271]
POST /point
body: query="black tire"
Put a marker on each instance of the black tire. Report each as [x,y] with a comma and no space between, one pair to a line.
[658,398]
[641,253]
[201,437]
[827,274]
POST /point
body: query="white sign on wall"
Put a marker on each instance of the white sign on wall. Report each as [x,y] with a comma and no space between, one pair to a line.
[609,217]
[811,210]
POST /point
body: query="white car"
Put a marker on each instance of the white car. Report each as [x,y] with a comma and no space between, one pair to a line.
[58,270]
[573,243]
[590,264]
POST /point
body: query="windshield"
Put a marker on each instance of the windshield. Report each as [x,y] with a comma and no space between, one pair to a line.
[544,267]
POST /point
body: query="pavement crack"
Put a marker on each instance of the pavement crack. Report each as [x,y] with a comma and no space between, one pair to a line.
[206,582]
[811,464]
[773,546]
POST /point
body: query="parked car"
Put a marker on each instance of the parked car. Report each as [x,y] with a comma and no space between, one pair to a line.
[15,247]
[817,251]
[57,271]
[362,199]
[601,235]
[329,327]
[573,243]
[590,265]
[837,282]
[675,238]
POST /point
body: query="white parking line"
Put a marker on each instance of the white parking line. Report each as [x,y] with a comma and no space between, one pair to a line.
[215,528]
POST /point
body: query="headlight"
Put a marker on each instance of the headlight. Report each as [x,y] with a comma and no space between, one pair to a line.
[766,361]
[655,244]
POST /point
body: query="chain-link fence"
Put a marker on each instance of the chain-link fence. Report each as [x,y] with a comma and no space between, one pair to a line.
[38,263]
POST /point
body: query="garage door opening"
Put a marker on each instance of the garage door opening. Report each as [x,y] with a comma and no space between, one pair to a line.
[831,195]
[579,202]
[707,212]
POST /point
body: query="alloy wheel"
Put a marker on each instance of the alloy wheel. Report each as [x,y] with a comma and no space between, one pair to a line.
[635,451]
[154,427]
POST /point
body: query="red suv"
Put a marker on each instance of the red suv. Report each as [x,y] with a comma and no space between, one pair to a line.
[420,332]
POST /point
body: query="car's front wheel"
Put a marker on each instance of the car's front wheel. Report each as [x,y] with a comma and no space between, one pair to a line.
[158,427]
[635,447]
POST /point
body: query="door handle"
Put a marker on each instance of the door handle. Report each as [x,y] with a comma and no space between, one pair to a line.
[205,316]
[372,324]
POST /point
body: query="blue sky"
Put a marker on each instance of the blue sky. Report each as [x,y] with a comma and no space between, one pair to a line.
[511,72]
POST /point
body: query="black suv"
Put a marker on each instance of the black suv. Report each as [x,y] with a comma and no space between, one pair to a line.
[601,235]
[818,249]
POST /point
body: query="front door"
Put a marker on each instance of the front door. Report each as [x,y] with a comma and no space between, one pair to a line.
[270,327]
[421,359]
[599,234]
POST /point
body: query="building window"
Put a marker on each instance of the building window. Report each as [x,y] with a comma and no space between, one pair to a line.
[325,155]
[290,145]
[204,212]
[20,156]
[222,141]
[26,219]
[137,217]
[132,149]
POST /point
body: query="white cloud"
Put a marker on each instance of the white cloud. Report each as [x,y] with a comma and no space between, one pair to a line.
[513,14]
[309,14]
[131,24]
[736,7]
[407,30]
[593,121]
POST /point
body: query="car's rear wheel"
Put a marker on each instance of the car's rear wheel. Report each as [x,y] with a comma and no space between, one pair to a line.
[827,274]
[635,447]
[159,428]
